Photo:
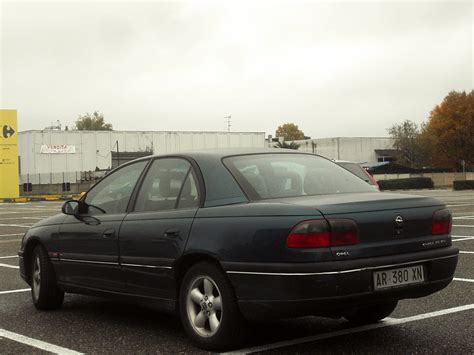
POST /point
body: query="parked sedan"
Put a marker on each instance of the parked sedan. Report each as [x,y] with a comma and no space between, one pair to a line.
[227,236]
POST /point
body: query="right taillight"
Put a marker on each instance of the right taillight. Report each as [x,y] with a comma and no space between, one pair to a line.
[372,180]
[442,222]
[321,233]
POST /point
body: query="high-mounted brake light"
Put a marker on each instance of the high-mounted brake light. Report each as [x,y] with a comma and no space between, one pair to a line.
[321,233]
[442,222]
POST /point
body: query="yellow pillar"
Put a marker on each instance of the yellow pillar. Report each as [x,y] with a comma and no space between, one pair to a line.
[9,173]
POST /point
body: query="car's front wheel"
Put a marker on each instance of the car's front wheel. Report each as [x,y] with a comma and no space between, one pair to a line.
[208,308]
[44,288]
[371,313]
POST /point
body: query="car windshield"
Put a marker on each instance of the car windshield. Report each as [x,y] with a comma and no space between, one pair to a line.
[266,176]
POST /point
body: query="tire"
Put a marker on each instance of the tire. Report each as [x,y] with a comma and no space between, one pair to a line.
[45,292]
[371,313]
[213,325]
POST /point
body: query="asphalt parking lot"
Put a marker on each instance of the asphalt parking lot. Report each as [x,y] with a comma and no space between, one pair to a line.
[440,323]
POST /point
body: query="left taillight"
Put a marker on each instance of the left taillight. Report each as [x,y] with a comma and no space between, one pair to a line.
[321,233]
[442,222]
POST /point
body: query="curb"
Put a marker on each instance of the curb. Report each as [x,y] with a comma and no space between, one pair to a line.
[39,198]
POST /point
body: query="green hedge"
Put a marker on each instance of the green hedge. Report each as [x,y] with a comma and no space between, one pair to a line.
[406,184]
[463,184]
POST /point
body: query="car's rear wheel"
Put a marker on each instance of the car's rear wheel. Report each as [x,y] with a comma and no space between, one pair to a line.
[208,308]
[44,288]
[371,313]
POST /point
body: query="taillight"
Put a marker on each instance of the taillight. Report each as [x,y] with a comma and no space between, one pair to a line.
[371,179]
[442,222]
[321,233]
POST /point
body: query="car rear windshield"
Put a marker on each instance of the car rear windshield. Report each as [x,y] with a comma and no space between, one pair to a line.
[355,169]
[264,176]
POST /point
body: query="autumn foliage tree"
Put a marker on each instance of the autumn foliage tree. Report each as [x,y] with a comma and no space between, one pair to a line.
[94,122]
[289,132]
[450,131]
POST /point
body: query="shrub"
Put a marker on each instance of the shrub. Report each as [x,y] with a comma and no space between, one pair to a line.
[406,184]
[463,184]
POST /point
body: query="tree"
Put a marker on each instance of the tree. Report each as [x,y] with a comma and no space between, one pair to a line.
[94,122]
[289,132]
[450,130]
[410,143]
[285,145]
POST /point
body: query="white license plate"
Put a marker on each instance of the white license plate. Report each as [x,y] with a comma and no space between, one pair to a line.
[398,277]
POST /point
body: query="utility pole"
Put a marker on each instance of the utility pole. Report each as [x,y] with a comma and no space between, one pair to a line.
[228,122]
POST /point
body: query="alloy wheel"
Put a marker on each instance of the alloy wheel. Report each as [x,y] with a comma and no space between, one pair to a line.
[36,277]
[204,306]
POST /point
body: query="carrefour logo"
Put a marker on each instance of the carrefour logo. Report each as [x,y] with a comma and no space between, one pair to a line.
[8,131]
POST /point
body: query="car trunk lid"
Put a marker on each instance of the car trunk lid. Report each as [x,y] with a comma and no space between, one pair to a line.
[388,223]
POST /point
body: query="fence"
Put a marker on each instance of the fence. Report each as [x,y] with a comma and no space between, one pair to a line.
[59,178]
[58,183]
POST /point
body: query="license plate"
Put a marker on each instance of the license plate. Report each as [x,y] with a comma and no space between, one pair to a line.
[398,277]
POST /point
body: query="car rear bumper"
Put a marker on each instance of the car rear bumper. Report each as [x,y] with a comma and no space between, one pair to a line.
[266,291]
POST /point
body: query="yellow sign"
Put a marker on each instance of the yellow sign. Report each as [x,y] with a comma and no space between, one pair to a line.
[9,173]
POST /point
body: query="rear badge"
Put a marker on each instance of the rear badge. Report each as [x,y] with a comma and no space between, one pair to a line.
[398,224]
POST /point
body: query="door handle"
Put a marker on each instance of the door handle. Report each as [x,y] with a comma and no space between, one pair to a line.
[108,233]
[172,232]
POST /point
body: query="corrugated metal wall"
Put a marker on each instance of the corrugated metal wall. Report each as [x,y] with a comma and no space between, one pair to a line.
[93,148]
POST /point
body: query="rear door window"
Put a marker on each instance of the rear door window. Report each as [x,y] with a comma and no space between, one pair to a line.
[168,184]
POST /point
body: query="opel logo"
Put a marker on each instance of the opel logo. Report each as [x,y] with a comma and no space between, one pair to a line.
[399,221]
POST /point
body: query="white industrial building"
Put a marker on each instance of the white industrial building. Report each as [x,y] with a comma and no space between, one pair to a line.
[356,149]
[51,156]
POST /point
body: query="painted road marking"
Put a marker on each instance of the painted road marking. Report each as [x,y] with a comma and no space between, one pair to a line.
[9,257]
[464,280]
[460,238]
[11,235]
[454,225]
[20,225]
[464,217]
[461,205]
[9,266]
[466,252]
[386,323]
[55,349]
[16,218]
[15,291]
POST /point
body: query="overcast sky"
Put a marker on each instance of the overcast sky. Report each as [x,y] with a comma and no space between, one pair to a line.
[335,69]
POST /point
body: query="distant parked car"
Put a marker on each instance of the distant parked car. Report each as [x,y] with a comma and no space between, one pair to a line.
[220,237]
[359,171]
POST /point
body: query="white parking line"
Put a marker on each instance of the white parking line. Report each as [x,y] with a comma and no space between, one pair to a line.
[11,235]
[55,349]
[460,238]
[9,266]
[386,323]
[9,257]
[15,291]
[15,218]
[461,205]
[466,252]
[16,225]
[454,225]
[464,217]
[461,279]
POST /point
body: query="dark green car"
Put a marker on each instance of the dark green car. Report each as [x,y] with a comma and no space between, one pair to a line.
[228,236]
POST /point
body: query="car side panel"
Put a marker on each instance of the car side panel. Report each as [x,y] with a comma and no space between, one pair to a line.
[254,232]
[150,243]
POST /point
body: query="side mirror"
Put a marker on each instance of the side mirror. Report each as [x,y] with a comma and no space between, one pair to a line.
[70,207]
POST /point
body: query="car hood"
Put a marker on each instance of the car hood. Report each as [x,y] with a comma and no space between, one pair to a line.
[56,219]
[362,202]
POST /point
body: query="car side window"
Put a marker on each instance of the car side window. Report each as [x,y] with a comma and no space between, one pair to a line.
[112,194]
[163,184]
